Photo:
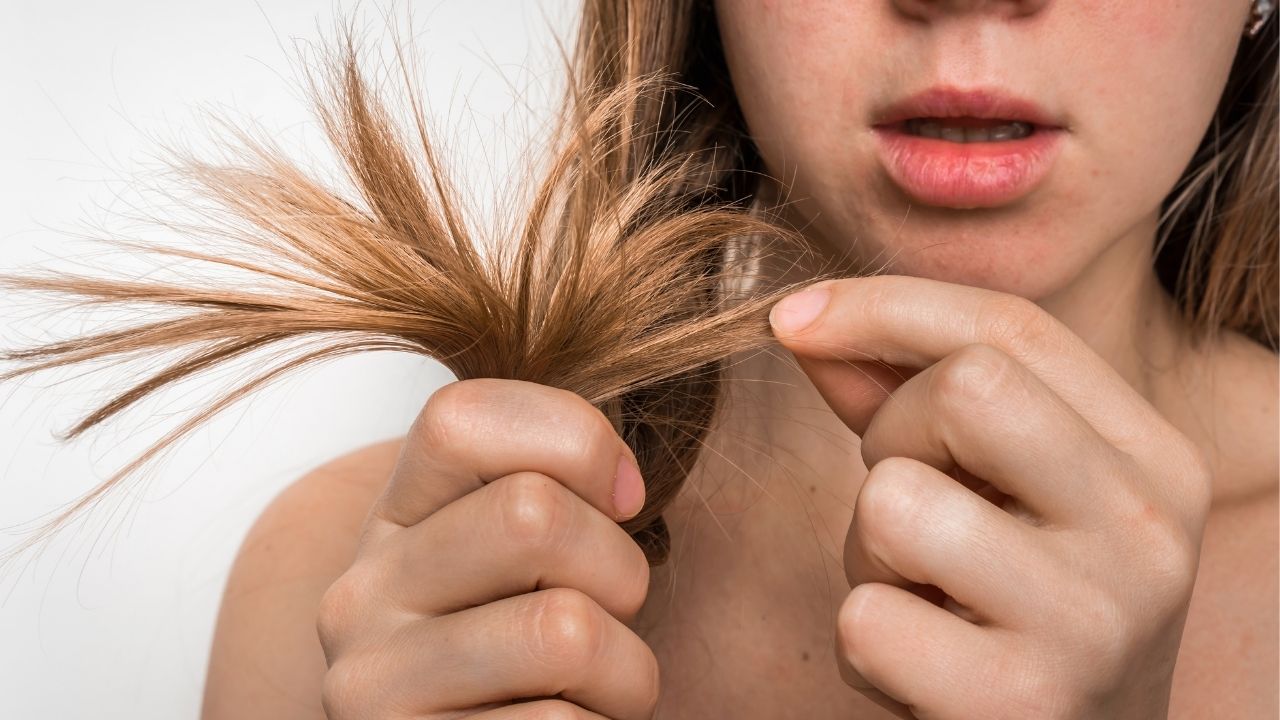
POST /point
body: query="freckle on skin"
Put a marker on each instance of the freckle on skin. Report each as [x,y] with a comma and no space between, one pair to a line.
[804,657]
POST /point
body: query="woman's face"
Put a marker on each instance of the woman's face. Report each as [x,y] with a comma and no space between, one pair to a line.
[1133,85]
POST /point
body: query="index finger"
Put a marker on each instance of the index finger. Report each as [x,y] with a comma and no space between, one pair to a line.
[474,431]
[915,322]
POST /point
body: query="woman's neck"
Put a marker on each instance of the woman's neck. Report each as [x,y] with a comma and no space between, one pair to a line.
[1118,307]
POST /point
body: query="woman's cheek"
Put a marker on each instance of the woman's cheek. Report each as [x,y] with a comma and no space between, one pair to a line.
[1150,85]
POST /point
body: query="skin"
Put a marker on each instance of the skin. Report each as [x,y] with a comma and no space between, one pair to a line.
[1001,483]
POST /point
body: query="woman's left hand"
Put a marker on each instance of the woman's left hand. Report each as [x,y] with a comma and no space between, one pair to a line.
[1067,580]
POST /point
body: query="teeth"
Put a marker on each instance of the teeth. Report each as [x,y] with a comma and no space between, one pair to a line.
[925,128]
[953,133]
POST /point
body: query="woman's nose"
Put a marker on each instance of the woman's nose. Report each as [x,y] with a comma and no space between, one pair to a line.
[938,9]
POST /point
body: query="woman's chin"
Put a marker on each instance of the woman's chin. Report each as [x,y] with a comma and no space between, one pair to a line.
[1029,270]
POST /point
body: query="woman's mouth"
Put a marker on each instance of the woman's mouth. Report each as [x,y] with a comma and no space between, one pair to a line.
[967,129]
[967,162]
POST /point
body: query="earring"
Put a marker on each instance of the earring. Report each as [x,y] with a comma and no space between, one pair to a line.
[1258,16]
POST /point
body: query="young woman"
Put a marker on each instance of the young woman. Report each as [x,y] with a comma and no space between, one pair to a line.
[1012,476]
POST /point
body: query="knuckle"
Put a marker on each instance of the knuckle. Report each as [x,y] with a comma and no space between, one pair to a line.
[1159,545]
[446,415]
[891,499]
[532,510]
[340,606]
[880,301]
[1102,626]
[971,374]
[1014,322]
[345,691]
[568,629]
[1171,559]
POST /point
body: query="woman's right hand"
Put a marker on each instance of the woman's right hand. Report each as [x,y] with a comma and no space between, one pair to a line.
[493,579]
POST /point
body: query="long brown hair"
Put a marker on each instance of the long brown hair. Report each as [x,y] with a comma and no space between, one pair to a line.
[617,282]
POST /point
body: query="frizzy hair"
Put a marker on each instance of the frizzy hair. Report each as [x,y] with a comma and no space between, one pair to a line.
[620,282]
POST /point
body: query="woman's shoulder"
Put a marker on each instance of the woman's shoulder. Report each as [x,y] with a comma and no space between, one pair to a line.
[1233,412]
[266,659]
[363,471]
[318,517]
[1227,665]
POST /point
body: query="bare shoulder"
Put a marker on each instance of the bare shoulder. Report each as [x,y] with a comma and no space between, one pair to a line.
[266,661]
[1247,385]
[1228,664]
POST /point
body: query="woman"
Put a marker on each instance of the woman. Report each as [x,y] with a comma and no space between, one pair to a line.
[1117,558]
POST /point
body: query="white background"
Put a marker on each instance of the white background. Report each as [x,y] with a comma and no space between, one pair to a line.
[114,618]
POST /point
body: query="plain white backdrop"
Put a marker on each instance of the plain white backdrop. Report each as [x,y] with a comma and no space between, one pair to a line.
[113,619]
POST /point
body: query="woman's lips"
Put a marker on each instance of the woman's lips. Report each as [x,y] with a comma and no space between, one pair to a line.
[967,175]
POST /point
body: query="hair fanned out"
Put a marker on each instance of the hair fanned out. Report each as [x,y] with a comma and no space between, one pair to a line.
[613,285]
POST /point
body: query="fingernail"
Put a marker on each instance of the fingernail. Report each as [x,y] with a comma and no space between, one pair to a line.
[628,488]
[797,311]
